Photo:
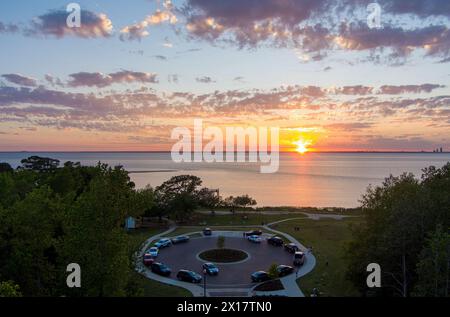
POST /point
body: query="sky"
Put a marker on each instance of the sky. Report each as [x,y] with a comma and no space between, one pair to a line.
[135,70]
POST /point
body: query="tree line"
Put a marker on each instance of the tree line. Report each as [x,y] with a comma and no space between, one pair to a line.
[406,232]
[52,215]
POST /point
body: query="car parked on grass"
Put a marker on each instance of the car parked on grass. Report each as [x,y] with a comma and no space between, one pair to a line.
[210,268]
[291,247]
[163,243]
[148,259]
[299,258]
[254,239]
[284,270]
[276,241]
[180,239]
[207,232]
[260,276]
[160,269]
[253,233]
[153,251]
[189,276]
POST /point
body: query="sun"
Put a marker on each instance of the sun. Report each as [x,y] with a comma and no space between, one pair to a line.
[302,146]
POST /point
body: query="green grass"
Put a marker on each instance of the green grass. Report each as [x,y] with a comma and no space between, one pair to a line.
[249,219]
[328,238]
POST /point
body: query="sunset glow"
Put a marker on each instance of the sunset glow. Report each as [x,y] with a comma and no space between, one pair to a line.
[302,146]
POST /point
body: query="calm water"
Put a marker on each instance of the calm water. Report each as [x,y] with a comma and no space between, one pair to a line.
[314,179]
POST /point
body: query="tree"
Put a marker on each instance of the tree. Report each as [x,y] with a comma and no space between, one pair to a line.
[244,201]
[230,203]
[220,242]
[399,215]
[209,198]
[239,201]
[5,168]
[178,195]
[433,268]
[95,237]
[273,272]
[40,164]
[9,289]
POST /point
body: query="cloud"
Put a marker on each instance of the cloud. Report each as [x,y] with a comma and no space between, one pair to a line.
[54,23]
[205,80]
[160,57]
[316,27]
[353,90]
[395,90]
[137,31]
[417,7]
[8,28]
[349,126]
[103,80]
[173,78]
[20,80]
[434,39]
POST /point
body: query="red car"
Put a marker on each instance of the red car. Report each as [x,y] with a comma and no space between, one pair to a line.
[148,259]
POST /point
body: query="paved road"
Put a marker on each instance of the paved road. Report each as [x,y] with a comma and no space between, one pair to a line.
[233,275]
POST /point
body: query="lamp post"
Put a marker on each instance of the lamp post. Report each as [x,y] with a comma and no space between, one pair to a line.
[204,282]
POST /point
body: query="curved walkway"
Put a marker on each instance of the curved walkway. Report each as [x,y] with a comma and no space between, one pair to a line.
[290,285]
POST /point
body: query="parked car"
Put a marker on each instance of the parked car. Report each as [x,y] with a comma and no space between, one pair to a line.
[260,276]
[253,233]
[189,276]
[180,239]
[276,241]
[284,270]
[160,269]
[299,258]
[148,259]
[207,232]
[163,243]
[254,239]
[291,247]
[210,268]
[153,251]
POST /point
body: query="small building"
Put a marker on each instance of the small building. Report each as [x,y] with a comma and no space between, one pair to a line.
[130,223]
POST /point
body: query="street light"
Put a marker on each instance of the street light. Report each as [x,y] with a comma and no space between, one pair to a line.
[204,282]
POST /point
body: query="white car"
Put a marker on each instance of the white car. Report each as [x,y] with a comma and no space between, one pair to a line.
[153,251]
[162,243]
[254,239]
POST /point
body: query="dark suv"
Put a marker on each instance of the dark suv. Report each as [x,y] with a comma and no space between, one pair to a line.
[189,276]
[276,241]
[291,248]
[180,239]
[207,232]
[253,233]
[260,276]
[160,269]
[284,270]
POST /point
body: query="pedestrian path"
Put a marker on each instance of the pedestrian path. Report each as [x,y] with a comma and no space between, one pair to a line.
[290,285]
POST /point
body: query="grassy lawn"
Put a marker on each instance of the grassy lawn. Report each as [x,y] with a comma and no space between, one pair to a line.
[328,238]
[249,219]
[151,288]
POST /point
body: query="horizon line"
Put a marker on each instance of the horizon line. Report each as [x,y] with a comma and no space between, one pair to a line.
[292,151]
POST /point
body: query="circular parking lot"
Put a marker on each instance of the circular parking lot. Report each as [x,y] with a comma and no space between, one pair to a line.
[232,275]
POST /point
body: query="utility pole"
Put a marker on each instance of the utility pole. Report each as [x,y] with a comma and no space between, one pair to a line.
[204,282]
